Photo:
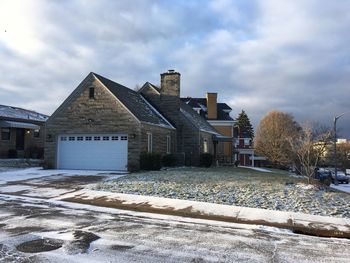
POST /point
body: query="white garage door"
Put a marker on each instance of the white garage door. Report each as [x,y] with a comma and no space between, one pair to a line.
[92,151]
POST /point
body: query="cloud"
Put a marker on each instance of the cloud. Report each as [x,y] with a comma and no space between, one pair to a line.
[258,55]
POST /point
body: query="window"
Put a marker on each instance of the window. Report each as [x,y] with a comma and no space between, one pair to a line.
[5,134]
[80,138]
[36,133]
[88,138]
[168,144]
[205,146]
[91,93]
[71,138]
[236,142]
[97,138]
[123,138]
[105,138]
[247,141]
[149,142]
[115,138]
[63,138]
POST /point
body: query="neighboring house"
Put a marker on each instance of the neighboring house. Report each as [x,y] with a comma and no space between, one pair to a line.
[22,132]
[244,149]
[218,115]
[105,126]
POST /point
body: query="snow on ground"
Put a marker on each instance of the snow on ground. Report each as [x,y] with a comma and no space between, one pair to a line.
[232,213]
[234,186]
[257,169]
[126,236]
[341,187]
[37,172]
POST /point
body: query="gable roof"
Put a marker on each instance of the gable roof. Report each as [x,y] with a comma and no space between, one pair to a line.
[201,103]
[135,103]
[10,112]
[147,85]
[197,120]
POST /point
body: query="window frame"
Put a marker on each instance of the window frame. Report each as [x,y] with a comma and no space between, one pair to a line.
[36,133]
[92,93]
[168,144]
[8,138]
[149,142]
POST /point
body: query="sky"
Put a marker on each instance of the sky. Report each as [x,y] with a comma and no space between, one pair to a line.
[292,55]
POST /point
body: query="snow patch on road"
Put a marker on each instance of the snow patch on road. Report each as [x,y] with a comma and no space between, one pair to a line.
[37,172]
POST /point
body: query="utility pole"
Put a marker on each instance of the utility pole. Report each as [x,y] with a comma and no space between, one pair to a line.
[335,146]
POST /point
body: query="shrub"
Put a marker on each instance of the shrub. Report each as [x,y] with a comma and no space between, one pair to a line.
[150,161]
[133,167]
[48,165]
[34,152]
[169,160]
[12,153]
[206,159]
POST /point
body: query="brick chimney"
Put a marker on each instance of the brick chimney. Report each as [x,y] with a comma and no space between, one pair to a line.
[212,105]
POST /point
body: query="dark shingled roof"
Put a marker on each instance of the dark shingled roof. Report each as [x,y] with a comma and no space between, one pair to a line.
[134,101]
[196,119]
[202,104]
[10,112]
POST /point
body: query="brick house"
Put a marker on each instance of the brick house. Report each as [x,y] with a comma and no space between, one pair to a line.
[22,132]
[103,125]
[218,116]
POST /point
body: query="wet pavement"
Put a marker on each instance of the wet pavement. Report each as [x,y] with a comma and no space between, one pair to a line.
[36,228]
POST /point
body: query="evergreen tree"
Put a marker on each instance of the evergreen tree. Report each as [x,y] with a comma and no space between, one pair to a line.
[244,126]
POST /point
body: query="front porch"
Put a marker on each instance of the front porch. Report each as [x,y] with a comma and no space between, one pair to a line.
[21,139]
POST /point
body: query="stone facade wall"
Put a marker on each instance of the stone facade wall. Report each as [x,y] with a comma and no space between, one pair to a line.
[102,114]
[159,139]
[169,101]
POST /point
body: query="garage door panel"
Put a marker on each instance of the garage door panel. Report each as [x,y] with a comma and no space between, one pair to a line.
[93,151]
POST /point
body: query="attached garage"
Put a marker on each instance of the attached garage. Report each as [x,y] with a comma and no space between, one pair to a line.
[93,151]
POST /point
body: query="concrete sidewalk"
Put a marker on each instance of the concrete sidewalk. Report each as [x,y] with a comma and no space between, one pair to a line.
[345,188]
[297,222]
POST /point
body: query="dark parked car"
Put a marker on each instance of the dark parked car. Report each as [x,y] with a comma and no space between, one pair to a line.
[341,177]
[325,174]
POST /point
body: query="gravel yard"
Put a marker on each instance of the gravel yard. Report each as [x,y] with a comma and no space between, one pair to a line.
[234,186]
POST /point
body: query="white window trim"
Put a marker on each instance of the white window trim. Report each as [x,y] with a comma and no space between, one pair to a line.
[149,142]
[205,146]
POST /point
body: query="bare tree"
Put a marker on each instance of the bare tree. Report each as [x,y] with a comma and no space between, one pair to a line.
[272,137]
[137,87]
[343,155]
[309,147]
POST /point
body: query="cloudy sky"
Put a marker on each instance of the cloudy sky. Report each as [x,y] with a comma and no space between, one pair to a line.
[258,55]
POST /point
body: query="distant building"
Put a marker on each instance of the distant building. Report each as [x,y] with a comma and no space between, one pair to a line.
[22,132]
[217,115]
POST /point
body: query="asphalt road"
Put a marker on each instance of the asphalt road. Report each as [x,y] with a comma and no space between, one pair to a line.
[82,233]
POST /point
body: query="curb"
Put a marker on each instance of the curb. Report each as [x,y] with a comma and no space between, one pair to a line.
[322,226]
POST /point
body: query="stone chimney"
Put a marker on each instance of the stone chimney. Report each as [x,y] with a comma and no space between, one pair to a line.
[170,94]
[212,105]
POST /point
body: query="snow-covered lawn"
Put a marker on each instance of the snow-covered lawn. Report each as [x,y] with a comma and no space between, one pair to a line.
[234,186]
